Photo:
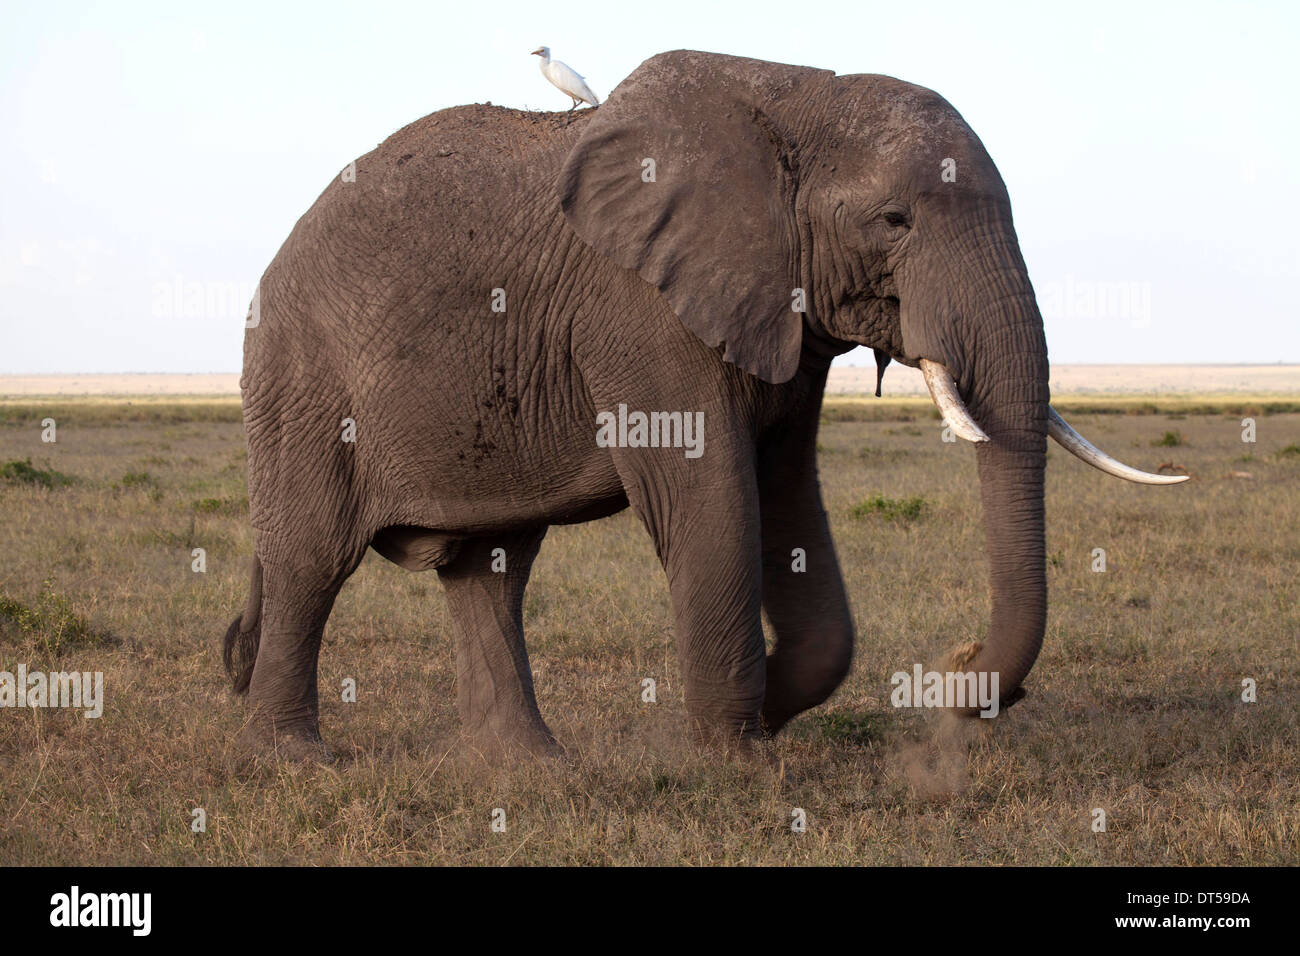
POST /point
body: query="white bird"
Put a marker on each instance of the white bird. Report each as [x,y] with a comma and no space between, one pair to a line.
[566,79]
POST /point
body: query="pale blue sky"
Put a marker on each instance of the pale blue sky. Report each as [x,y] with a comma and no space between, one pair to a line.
[154,150]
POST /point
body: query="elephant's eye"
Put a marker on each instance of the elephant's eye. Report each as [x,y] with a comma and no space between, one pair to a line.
[895,218]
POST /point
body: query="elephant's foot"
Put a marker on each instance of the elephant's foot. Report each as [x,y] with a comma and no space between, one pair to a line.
[284,742]
[797,682]
[729,735]
[776,714]
[726,745]
[500,745]
[779,709]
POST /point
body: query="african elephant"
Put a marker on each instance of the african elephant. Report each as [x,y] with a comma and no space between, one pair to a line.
[448,333]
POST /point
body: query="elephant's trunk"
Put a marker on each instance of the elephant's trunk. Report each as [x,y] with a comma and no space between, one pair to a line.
[1005,412]
[1010,401]
[1002,375]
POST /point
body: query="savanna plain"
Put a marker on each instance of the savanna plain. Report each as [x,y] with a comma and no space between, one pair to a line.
[1135,706]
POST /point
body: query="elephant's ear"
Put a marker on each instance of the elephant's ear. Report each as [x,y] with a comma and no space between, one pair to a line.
[685,176]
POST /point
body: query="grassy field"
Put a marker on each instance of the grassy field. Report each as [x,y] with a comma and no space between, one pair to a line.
[1134,707]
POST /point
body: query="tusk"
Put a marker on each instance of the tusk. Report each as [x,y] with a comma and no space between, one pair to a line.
[944,392]
[1084,450]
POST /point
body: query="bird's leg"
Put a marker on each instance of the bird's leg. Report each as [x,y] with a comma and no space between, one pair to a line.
[575,104]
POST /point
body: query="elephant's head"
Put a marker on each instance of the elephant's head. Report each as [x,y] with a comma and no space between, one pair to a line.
[874,198]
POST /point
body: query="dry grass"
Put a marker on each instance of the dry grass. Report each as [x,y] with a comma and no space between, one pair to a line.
[1134,706]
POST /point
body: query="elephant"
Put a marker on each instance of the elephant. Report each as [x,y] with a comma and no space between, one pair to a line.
[462,341]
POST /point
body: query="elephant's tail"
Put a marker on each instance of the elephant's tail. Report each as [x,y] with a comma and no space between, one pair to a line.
[239,650]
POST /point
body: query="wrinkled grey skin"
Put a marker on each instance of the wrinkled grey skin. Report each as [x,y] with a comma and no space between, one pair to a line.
[475,430]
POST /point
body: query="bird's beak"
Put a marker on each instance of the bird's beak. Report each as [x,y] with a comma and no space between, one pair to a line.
[537,52]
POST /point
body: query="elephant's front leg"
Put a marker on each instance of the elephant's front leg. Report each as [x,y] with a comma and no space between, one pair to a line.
[803,591]
[703,517]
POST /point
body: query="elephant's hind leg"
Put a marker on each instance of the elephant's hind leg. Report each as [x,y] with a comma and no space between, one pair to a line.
[297,596]
[485,593]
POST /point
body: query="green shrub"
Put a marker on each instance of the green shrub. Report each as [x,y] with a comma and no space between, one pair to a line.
[23,472]
[891,509]
[220,506]
[52,621]
[846,727]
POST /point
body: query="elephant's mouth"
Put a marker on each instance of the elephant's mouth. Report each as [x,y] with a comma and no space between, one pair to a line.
[943,390]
